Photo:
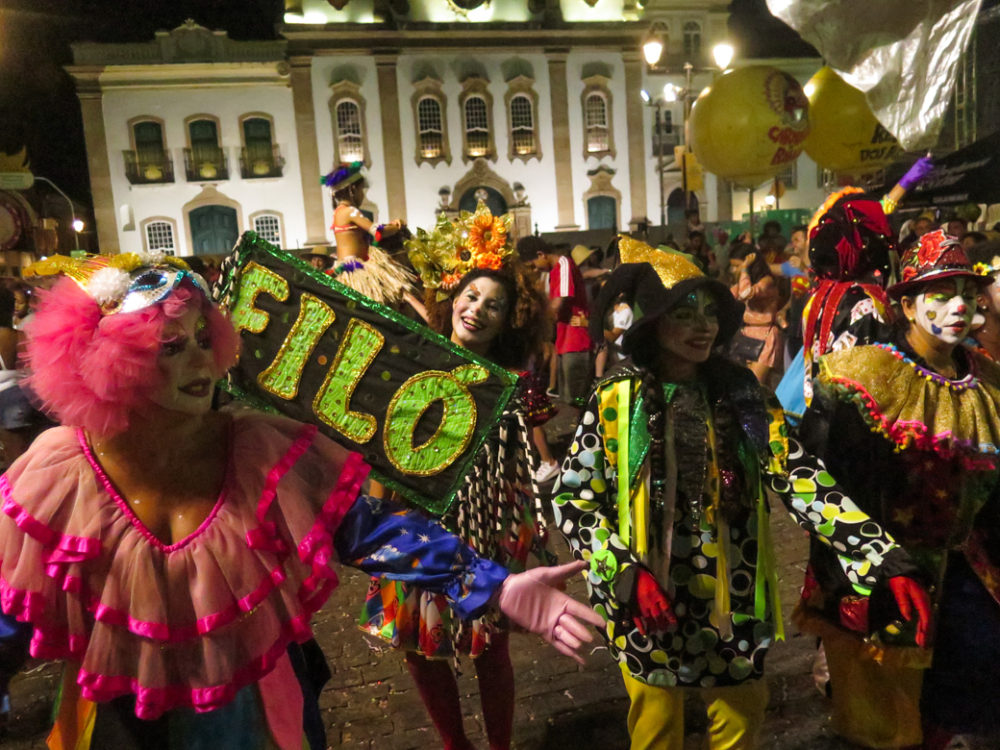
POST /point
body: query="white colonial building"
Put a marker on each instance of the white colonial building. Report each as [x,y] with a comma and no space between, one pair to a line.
[532,105]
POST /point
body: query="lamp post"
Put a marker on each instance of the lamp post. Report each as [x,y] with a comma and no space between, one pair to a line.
[652,51]
[72,211]
[657,104]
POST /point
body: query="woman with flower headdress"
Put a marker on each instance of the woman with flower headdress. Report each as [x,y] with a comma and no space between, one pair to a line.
[481,297]
[360,265]
[911,427]
[663,494]
[173,554]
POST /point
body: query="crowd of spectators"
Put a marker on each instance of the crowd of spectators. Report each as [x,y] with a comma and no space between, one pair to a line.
[769,273]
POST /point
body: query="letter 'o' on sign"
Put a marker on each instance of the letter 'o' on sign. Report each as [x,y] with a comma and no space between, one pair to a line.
[458,420]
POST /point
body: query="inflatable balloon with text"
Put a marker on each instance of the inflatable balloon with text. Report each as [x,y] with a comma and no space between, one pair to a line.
[845,137]
[750,124]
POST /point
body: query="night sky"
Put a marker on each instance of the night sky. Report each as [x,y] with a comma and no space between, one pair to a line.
[38,104]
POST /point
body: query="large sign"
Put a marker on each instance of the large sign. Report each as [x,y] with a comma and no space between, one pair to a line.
[416,406]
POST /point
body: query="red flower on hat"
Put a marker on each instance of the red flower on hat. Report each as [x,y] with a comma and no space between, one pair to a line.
[932,247]
[909,272]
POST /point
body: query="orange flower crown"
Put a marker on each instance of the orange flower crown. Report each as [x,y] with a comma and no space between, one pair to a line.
[455,247]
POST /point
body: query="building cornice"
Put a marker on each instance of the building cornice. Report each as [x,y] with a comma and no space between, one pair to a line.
[188,75]
[188,43]
[334,39]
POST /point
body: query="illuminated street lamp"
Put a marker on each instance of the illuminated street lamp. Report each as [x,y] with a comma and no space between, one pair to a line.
[652,45]
[723,54]
[72,211]
[652,51]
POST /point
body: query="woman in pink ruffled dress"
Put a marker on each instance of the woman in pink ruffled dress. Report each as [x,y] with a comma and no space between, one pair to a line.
[172,554]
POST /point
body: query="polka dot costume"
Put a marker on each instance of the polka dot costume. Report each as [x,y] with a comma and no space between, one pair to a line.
[701,651]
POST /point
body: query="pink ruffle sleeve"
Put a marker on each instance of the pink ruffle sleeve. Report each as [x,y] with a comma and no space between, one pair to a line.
[187,624]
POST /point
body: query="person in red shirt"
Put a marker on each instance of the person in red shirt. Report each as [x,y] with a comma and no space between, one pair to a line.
[571,311]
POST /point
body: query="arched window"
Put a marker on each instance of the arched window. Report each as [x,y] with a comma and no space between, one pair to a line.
[477,127]
[429,128]
[349,136]
[160,236]
[148,161]
[429,107]
[148,140]
[596,123]
[522,125]
[692,40]
[268,227]
[260,156]
[203,159]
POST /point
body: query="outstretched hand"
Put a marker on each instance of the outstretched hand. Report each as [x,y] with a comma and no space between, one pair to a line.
[911,596]
[651,606]
[532,601]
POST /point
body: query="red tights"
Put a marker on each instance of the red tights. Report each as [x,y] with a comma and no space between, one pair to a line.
[439,691]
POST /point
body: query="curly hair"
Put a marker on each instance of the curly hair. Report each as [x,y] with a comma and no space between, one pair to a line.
[92,370]
[528,322]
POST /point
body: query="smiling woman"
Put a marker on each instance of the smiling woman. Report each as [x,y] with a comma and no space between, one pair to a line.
[662,494]
[173,554]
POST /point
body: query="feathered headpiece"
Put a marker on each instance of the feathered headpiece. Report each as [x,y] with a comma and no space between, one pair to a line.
[454,248]
[121,283]
[342,176]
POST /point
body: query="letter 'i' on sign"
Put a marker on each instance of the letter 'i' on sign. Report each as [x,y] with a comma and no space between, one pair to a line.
[360,346]
[458,420]
[255,280]
[283,375]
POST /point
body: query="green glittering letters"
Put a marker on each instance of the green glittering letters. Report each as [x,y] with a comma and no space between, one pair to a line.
[256,279]
[412,400]
[357,351]
[282,376]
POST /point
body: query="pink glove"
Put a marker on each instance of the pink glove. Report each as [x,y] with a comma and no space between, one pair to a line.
[911,595]
[652,607]
[920,170]
[531,600]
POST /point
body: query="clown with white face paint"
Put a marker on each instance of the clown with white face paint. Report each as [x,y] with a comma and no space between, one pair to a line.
[937,295]
[912,431]
[946,309]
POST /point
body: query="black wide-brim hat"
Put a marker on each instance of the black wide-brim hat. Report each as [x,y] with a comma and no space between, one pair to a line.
[655,282]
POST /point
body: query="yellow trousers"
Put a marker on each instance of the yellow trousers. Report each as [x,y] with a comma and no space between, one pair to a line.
[656,716]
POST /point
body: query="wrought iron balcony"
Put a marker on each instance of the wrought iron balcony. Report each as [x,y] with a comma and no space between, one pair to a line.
[206,164]
[148,168]
[257,163]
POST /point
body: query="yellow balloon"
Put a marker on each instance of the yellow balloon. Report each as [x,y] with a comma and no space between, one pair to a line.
[749,124]
[845,135]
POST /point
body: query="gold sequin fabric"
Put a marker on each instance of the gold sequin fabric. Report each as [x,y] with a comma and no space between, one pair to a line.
[915,407]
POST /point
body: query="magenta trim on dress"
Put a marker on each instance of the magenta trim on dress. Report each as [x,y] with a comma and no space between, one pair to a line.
[301,444]
[112,491]
[151,703]
[51,641]
[88,547]
[316,547]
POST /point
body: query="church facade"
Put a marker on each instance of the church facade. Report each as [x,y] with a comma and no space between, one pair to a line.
[531,105]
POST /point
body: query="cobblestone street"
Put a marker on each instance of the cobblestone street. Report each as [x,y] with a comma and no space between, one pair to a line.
[371,701]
